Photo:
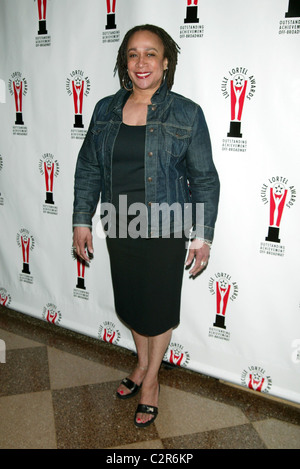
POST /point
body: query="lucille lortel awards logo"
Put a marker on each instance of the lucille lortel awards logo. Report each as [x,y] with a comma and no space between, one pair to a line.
[80,290]
[18,88]
[111,33]
[5,298]
[108,332]
[49,168]
[43,39]
[191,27]
[280,196]
[239,87]
[177,355]
[224,290]
[256,378]
[78,86]
[51,314]
[26,242]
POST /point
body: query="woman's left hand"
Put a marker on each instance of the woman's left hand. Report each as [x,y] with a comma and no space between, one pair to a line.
[199,253]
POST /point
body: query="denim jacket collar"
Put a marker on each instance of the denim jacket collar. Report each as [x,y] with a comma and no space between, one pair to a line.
[120,98]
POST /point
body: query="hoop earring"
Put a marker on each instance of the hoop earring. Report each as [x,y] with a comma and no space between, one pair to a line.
[165,74]
[124,85]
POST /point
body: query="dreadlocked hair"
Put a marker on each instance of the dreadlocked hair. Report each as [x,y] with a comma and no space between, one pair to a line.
[171,51]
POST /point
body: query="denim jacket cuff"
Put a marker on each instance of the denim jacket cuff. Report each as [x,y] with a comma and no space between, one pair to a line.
[205,233]
[82,219]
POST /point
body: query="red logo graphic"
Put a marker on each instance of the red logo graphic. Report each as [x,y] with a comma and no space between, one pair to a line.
[17,86]
[279,195]
[255,378]
[224,289]
[5,298]
[176,355]
[42,7]
[111,14]
[109,333]
[192,12]
[78,87]
[51,314]
[49,168]
[237,86]
[26,242]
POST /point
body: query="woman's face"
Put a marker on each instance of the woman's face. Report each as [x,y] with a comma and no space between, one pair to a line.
[145,61]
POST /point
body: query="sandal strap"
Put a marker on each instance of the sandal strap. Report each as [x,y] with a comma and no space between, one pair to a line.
[130,384]
[146,409]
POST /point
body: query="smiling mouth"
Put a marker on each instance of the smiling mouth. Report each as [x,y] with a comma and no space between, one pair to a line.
[143,75]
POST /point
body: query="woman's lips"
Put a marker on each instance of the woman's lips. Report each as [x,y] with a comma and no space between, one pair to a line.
[143,75]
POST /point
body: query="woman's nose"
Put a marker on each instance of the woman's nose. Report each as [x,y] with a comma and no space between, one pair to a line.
[141,61]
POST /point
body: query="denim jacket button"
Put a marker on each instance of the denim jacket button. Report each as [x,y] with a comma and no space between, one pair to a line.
[153,108]
[149,179]
[151,130]
[150,153]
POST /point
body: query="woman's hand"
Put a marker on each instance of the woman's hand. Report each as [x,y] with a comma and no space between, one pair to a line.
[82,239]
[199,253]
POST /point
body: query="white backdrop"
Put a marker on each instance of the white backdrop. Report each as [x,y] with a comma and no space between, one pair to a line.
[239,60]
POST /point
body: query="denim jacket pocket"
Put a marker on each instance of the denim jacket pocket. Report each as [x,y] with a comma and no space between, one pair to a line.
[176,140]
[98,127]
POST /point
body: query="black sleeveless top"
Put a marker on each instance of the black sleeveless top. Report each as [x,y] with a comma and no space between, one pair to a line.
[128,172]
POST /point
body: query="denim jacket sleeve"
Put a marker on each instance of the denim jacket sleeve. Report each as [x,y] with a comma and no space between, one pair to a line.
[203,178]
[88,180]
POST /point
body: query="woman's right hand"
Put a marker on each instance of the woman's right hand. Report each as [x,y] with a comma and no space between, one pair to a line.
[82,240]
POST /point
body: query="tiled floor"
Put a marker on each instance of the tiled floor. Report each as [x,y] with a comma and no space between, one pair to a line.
[57,391]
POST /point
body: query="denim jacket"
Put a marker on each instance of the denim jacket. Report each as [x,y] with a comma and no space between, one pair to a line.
[178,161]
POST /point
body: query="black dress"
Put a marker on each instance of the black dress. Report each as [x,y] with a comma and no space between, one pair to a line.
[146,272]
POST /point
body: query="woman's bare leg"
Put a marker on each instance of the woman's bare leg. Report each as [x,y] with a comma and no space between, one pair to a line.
[157,346]
[138,374]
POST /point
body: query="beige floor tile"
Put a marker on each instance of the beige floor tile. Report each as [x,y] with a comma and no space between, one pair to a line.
[151,444]
[277,434]
[182,413]
[14,341]
[67,370]
[27,421]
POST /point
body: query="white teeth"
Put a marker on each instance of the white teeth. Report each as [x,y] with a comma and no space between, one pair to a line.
[143,75]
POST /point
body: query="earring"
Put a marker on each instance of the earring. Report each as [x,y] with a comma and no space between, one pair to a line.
[128,83]
[165,74]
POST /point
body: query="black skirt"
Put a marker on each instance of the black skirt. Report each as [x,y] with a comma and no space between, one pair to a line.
[147,279]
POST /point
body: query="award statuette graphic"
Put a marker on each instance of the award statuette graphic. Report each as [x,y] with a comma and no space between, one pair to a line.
[78,86]
[42,7]
[109,333]
[80,274]
[5,298]
[294,9]
[192,12]
[26,242]
[51,314]
[50,169]
[225,289]
[18,87]
[222,295]
[80,270]
[111,14]
[238,87]
[278,195]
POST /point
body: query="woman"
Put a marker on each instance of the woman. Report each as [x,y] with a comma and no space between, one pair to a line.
[153,146]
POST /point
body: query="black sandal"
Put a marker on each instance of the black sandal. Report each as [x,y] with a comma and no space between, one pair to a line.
[133,388]
[145,409]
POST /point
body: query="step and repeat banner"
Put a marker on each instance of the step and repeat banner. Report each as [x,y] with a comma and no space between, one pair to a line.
[240,320]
